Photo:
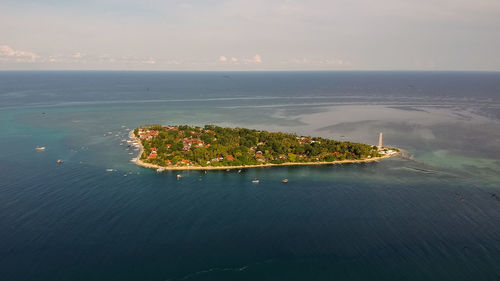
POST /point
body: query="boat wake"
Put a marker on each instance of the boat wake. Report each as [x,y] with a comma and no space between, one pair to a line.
[210,270]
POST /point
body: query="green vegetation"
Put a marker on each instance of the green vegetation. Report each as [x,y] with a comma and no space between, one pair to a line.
[217,146]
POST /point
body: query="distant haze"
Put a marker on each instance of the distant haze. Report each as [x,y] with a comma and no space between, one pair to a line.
[250,35]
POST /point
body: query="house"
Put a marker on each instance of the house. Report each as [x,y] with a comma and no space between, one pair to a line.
[189,142]
[148,134]
[230,157]
[153,154]
[305,140]
[259,156]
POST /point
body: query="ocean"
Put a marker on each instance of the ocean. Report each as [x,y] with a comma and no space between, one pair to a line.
[431,214]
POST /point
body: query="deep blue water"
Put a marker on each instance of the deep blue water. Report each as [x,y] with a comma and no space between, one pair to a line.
[433,214]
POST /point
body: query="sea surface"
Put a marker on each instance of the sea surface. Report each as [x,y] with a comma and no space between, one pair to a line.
[431,214]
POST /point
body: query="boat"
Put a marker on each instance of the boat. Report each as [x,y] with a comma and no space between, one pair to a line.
[255,181]
[159,170]
[40,148]
[284,181]
[60,161]
[179,176]
[109,170]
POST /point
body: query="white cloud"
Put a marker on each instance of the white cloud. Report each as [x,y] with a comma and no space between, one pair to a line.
[336,62]
[254,60]
[77,55]
[257,59]
[222,59]
[233,59]
[7,53]
[149,61]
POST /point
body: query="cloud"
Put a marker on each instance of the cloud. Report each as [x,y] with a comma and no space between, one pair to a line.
[77,55]
[254,60]
[79,58]
[318,62]
[149,61]
[9,54]
[234,60]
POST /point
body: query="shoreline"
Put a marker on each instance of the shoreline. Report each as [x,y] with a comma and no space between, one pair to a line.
[141,163]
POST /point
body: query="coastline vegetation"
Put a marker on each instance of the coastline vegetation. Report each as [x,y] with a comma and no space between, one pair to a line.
[214,146]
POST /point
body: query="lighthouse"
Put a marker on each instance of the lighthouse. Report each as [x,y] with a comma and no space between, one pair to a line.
[380,141]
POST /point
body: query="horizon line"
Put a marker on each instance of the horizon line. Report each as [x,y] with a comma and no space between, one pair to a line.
[246,70]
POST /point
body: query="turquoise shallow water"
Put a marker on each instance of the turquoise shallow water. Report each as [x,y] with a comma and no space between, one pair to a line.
[431,215]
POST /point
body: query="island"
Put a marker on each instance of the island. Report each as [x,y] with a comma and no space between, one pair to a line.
[212,147]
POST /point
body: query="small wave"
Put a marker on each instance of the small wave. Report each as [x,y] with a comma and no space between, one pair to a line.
[210,270]
[355,100]
[420,170]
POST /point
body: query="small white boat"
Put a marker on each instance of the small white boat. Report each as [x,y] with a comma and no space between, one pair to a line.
[60,161]
[159,170]
[284,181]
[255,181]
[179,176]
[109,170]
[40,148]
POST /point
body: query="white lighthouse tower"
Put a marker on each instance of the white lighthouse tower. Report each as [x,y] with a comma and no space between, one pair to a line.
[380,141]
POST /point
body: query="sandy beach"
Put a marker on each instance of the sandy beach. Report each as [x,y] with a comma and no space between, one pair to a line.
[139,162]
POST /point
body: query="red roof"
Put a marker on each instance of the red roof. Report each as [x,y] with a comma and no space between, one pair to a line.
[230,157]
[152,155]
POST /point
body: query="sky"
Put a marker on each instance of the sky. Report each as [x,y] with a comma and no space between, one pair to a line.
[250,35]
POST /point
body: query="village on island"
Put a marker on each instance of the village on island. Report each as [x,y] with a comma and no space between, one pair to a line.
[212,147]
